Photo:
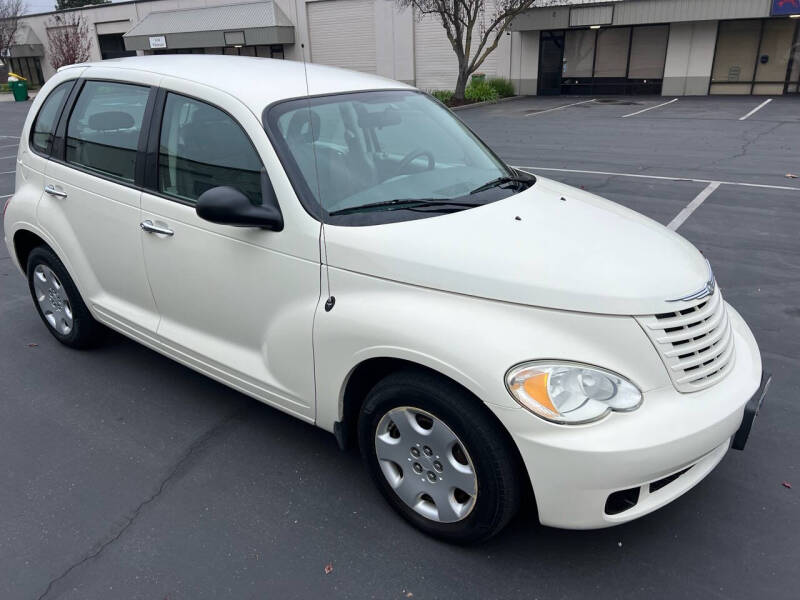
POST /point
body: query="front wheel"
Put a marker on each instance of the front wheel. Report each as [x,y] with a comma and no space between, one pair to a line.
[439,457]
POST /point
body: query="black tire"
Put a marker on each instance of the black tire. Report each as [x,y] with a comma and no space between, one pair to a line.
[495,461]
[85,331]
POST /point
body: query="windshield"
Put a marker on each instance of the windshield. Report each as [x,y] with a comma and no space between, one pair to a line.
[376,152]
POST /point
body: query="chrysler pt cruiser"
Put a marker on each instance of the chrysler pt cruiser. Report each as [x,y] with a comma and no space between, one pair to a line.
[341,247]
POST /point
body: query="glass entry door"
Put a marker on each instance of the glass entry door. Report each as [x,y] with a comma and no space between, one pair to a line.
[551,62]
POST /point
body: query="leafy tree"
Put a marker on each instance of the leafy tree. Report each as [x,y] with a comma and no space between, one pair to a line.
[473,27]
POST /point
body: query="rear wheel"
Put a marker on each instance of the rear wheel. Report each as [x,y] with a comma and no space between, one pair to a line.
[439,459]
[58,302]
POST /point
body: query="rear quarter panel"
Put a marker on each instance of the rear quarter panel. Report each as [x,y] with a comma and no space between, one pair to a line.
[29,179]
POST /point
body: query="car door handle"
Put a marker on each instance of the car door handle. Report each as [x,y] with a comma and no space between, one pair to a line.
[51,189]
[149,227]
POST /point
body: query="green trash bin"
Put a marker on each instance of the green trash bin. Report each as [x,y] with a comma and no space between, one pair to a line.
[20,90]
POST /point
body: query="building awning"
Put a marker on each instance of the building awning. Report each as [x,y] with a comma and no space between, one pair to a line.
[26,43]
[232,25]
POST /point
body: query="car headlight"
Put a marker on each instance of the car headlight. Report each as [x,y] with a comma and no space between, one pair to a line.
[570,394]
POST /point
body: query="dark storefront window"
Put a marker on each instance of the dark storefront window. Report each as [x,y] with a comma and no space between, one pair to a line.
[273,51]
[29,67]
[613,60]
[113,46]
[755,56]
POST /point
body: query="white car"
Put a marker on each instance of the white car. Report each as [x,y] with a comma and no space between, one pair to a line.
[341,247]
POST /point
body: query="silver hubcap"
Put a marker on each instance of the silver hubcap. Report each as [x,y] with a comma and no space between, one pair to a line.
[52,299]
[426,464]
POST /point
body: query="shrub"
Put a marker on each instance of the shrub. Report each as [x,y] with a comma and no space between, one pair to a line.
[504,87]
[443,96]
[480,91]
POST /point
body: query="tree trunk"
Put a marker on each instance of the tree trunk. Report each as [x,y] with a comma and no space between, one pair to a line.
[461,84]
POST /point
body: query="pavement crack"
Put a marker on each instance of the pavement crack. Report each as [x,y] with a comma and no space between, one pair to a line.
[745,146]
[178,467]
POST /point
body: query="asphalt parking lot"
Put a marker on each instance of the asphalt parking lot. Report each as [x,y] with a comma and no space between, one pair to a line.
[125,475]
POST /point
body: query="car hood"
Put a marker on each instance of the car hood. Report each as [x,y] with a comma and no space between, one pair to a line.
[551,246]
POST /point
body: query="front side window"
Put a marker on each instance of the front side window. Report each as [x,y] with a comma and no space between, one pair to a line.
[103,130]
[383,147]
[202,147]
[45,125]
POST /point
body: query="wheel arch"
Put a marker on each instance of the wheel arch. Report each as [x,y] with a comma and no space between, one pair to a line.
[366,374]
[25,241]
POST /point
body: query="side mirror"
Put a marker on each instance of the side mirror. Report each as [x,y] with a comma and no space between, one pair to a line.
[228,206]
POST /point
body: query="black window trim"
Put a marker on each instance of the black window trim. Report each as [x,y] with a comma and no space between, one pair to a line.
[59,149]
[64,102]
[146,166]
[150,170]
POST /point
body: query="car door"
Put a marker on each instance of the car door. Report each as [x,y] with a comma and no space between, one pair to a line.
[91,200]
[236,303]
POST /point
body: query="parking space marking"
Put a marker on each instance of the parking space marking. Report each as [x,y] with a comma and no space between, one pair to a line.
[641,176]
[687,210]
[638,112]
[541,112]
[4,157]
[6,196]
[9,146]
[756,109]
[12,137]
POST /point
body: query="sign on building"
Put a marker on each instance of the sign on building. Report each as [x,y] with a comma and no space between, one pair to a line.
[158,41]
[785,7]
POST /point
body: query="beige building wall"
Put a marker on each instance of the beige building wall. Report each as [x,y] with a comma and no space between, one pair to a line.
[401,47]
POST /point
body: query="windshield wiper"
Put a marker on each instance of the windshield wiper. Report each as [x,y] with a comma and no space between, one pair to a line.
[502,181]
[406,203]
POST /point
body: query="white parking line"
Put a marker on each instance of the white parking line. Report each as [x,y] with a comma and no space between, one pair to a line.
[9,146]
[7,172]
[756,109]
[692,206]
[13,137]
[662,177]
[638,112]
[6,196]
[541,112]
[12,156]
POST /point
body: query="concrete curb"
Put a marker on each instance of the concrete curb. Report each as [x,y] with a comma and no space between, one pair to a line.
[484,103]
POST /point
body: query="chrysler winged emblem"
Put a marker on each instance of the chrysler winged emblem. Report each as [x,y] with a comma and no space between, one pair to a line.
[706,290]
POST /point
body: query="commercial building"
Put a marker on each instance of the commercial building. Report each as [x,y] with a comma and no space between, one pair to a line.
[672,47]
[669,47]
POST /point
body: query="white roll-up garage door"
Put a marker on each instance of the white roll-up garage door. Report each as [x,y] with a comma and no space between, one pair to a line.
[343,33]
[434,60]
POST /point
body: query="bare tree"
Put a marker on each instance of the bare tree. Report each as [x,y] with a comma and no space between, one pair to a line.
[10,12]
[473,27]
[68,38]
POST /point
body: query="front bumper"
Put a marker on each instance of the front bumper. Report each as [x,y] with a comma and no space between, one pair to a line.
[583,475]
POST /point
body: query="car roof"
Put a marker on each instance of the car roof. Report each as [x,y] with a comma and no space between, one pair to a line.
[257,82]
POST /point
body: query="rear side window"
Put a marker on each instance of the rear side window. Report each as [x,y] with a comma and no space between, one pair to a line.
[45,125]
[202,147]
[103,130]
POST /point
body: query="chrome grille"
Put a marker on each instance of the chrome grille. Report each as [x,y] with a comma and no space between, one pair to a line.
[695,343]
